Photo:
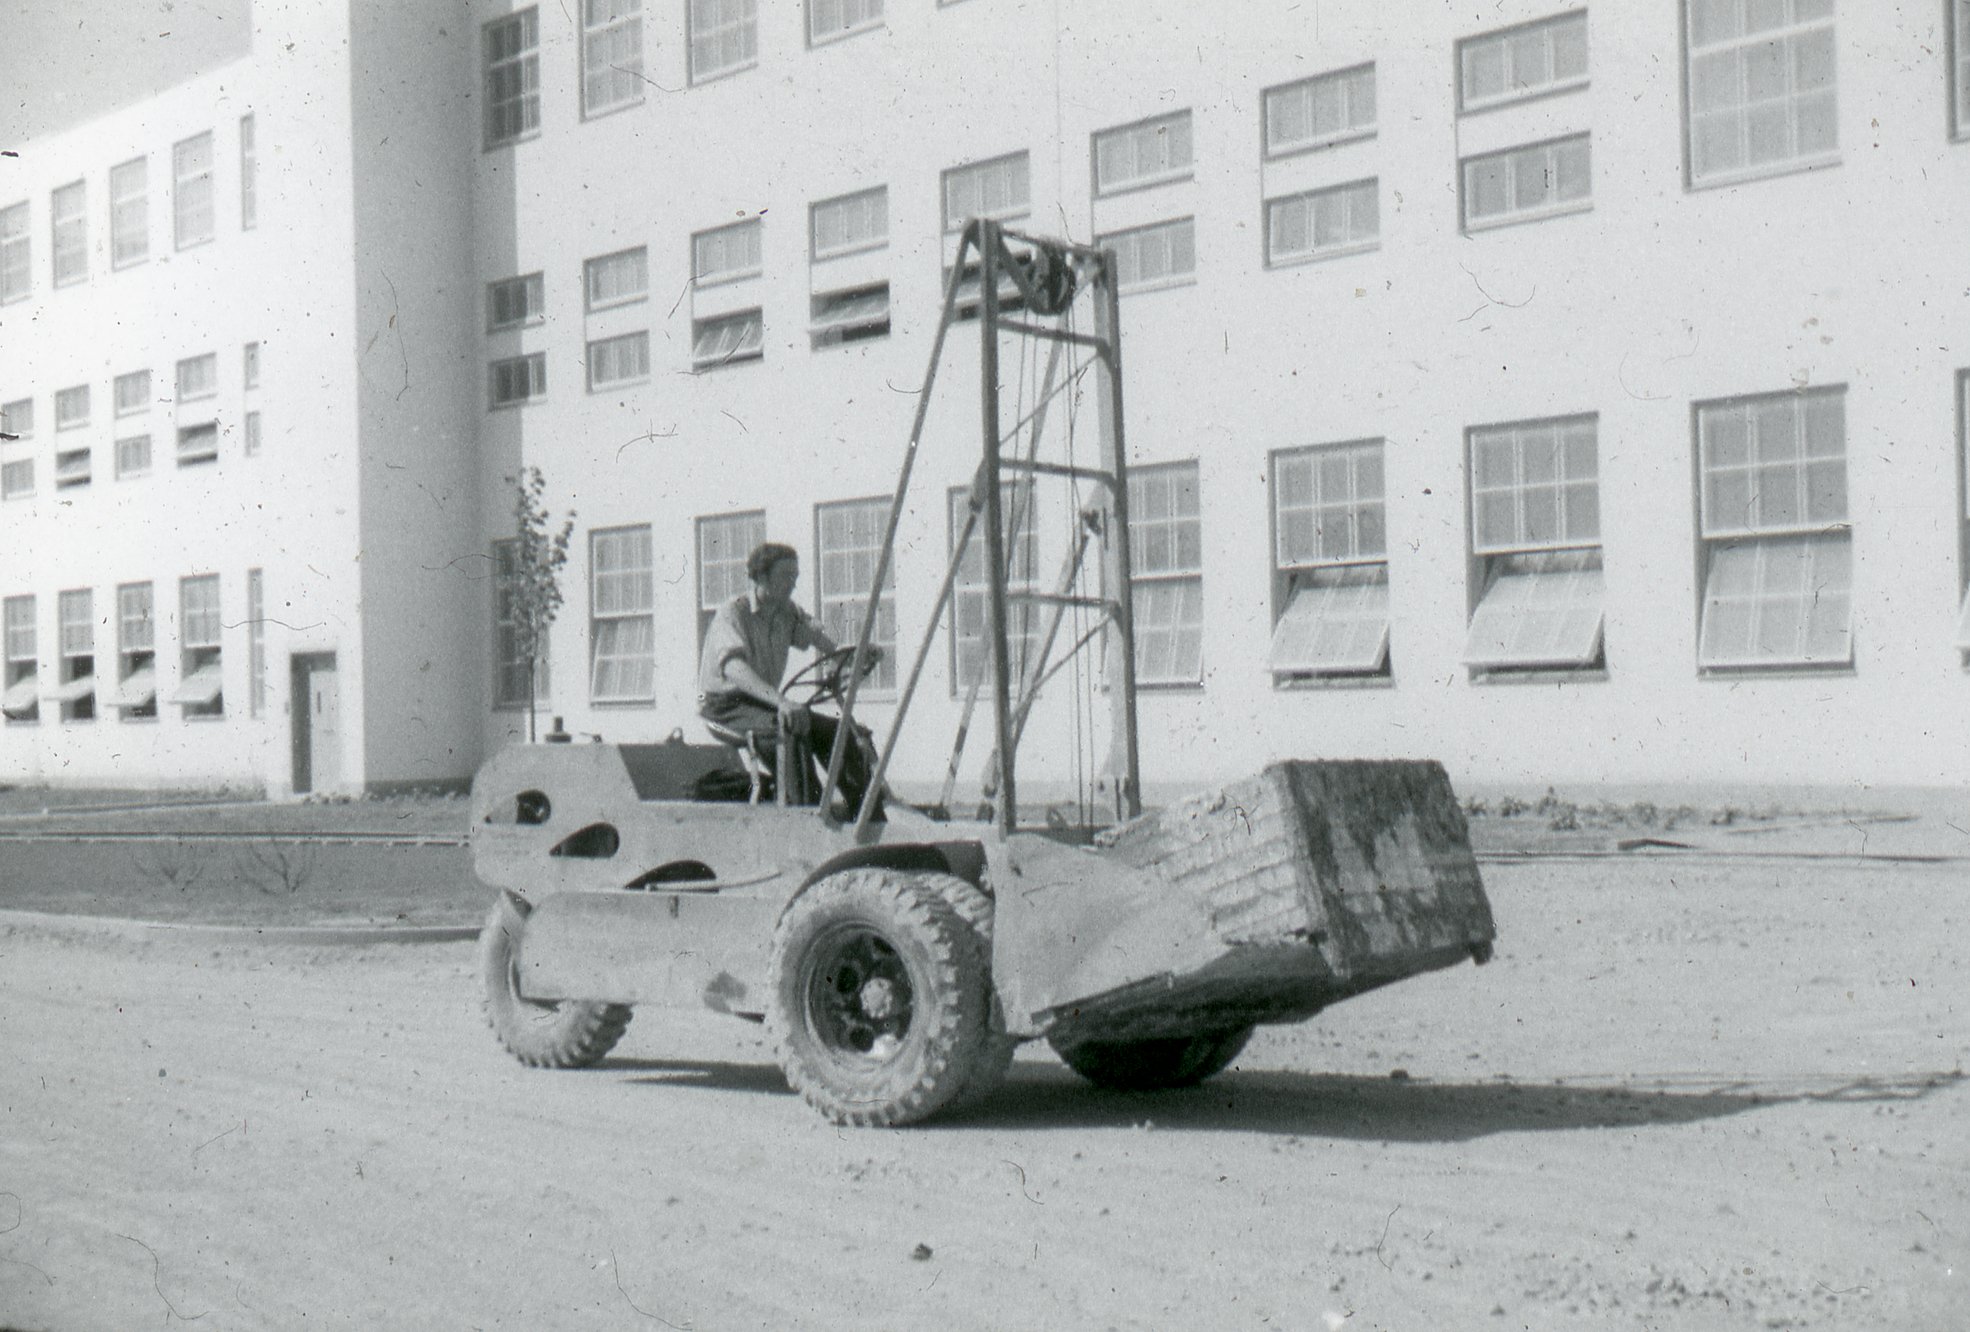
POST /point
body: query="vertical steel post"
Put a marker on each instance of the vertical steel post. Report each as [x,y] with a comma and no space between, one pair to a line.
[991,249]
[1124,753]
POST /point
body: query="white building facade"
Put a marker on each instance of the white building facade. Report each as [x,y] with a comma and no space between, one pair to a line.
[1571,395]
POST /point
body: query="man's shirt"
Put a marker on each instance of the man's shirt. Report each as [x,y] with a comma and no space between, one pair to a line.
[762,636]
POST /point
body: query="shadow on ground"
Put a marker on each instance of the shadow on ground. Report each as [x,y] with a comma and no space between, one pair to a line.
[1039,1098]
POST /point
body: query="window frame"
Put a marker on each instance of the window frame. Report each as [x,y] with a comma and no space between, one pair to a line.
[615,74]
[603,266]
[715,241]
[75,645]
[1959,66]
[866,23]
[1272,150]
[1133,134]
[1545,26]
[750,346]
[1176,574]
[201,644]
[728,567]
[1314,253]
[862,323]
[12,485]
[198,443]
[816,253]
[1550,149]
[16,252]
[600,349]
[249,175]
[747,26]
[532,288]
[190,366]
[126,458]
[1723,547]
[66,418]
[536,386]
[68,233]
[621,621]
[830,600]
[256,643]
[20,658]
[138,404]
[524,56]
[1693,178]
[1317,575]
[1126,286]
[136,649]
[191,193]
[126,205]
[969,170]
[1018,500]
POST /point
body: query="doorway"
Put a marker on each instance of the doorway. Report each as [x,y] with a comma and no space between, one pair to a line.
[317,713]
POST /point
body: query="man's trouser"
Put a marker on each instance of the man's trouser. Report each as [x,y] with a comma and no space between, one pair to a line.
[746,715]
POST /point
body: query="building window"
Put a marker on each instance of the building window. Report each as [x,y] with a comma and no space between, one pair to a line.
[198,444]
[1330,563]
[136,667]
[971,654]
[615,279]
[519,379]
[1535,544]
[724,542]
[1000,188]
[1148,152]
[69,214]
[75,689]
[17,479]
[829,19]
[1761,87]
[16,272]
[249,366]
[256,644]
[249,176]
[1500,67]
[848,541]
[512,78]
[250,444]
[853,314]
[622,631]
[1166,557]
[1163,254]
[513,669]
[21,699]
[72,407]
[71,469]
[201,673]
[17,419]
[852,222]
[1325,109]
[618,360]
[133,455]
[611,54]
[191,191]
[1522,184]
[1963,510]
[132,393]
[1777,590]
[1960,66]
[198,377]
[512,302]
[1336,220]
[129,213]
[724,36]
[726,254]
[727,338]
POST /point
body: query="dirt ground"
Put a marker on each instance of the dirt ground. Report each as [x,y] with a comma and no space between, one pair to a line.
[1690,1093]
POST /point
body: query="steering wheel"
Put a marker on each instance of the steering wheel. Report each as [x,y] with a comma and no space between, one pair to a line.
[827,675]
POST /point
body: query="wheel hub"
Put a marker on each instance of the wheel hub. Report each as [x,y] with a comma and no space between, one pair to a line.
[859,997]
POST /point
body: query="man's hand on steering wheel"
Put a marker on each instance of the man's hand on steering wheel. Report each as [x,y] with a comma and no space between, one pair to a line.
[827,675]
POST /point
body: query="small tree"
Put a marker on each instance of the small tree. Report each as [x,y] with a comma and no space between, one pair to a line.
[533,585]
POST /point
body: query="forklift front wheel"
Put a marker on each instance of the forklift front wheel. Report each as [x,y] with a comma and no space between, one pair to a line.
[1153,1065]
[879,998]
[569,1034]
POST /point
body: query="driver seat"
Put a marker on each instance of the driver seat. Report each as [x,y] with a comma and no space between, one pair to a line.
[759,748]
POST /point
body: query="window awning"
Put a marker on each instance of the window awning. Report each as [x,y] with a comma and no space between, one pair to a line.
[1779,601]
[80,687]
[1538,616]
[21,697]
[851,309]
[139,688]
[200,687]
[1334,627]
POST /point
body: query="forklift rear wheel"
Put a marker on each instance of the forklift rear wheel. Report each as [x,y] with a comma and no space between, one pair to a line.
[879,998]
[1153,1065]
[569,1034]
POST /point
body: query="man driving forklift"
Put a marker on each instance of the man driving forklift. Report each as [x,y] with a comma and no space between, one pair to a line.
[745,660]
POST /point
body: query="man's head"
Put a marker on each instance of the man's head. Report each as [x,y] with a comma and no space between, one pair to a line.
[774,569]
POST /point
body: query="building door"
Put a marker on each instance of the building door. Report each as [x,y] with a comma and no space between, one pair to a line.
[317,715]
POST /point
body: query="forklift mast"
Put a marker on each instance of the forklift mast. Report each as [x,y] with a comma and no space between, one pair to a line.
[1024,287]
